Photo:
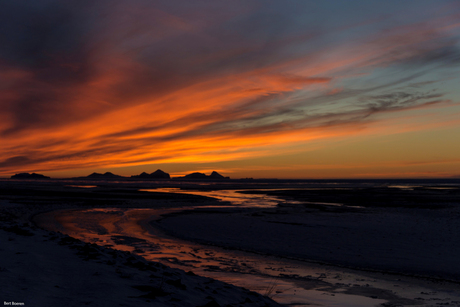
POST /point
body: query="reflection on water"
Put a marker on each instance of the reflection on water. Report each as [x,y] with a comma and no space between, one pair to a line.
[289,282]
[286,281]
[441,188]
[247,200]
[412,187]
[81,186]
[405,187]
[233,196]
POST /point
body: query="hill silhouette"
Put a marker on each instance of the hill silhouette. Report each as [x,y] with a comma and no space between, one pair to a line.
[107,175]
[197,175]
[216,175]
[29,176]
[158,174]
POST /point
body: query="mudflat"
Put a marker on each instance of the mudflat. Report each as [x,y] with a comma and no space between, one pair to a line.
[323,243]
[47,268]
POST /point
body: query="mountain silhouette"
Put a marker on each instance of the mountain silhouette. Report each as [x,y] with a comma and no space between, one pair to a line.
[196,175]
[29,176]
[158,174]
[107,175]
[214,176]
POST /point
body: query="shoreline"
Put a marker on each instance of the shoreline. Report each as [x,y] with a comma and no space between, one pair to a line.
[190,225]
[101,276]
[177,233]
[21,206]
[43,268]
[357,282]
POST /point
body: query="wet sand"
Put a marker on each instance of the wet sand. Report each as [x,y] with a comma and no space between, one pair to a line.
[264,274]
[274,230]
[46,268]
[422,243]
[286,280]
[256,232]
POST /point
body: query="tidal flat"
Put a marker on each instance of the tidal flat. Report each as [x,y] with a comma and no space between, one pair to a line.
[291,242]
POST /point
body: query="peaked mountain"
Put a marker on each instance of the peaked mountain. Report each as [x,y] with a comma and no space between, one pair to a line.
[158,174]
[216,175]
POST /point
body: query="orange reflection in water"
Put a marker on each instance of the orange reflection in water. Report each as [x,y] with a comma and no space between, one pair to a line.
[235,197]
[130,230]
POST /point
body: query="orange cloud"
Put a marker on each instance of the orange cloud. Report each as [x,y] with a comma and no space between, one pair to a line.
[151,86]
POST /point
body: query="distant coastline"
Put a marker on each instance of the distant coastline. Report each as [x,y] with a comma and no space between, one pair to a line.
[196,176]
[157,175]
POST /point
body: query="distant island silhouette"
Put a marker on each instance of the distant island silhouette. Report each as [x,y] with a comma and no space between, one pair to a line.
[107,175]
[29,176]
[197,175]
[158,174]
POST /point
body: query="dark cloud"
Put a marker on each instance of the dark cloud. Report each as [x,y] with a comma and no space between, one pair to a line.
[396,101]
[424,44]
[438,54]
[15,161]
[32,34]
[66,47]
[46,41]
[447,55]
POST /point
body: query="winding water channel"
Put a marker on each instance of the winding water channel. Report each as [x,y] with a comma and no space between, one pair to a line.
[294,283]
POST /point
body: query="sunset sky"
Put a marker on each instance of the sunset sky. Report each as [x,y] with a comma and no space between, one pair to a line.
[263,89]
